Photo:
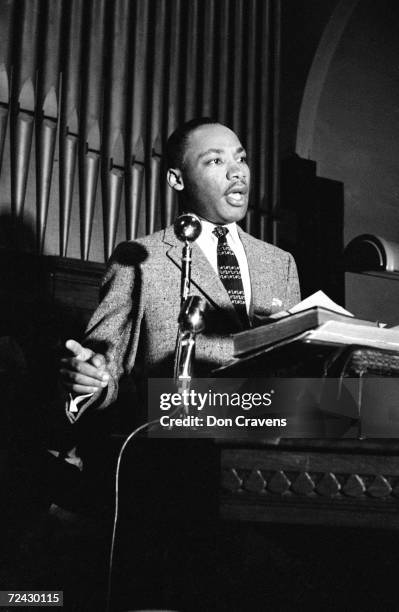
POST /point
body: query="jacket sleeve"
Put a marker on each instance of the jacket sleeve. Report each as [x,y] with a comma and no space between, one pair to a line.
[293,294]
[114,328]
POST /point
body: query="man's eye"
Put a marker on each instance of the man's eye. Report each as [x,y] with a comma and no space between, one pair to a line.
[215,161]
[242,159]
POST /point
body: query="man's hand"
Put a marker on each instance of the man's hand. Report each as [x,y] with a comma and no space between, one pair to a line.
[84,371]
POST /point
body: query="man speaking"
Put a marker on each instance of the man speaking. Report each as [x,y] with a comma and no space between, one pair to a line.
[134,328]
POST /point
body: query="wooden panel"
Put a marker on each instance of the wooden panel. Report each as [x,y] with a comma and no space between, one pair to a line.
[310,487]
[46,299]
[75,284]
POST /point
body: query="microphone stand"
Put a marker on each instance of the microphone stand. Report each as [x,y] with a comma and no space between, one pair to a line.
[192,308]
[186,260]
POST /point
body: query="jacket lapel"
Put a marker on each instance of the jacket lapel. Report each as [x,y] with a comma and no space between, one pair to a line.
[258,266]
[203,276]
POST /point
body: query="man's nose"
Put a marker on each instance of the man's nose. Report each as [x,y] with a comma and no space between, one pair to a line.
[235,171]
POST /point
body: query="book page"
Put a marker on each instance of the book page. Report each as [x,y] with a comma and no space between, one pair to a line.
[319,299]
[347,333]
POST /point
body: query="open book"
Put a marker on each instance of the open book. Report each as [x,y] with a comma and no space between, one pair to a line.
[321,300]
[309,314]
[344,332]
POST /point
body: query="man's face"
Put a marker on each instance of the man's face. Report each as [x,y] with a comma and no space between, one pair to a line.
[215,175]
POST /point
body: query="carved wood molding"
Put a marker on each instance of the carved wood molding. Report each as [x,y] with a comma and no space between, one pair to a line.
[311,484]
[330,488]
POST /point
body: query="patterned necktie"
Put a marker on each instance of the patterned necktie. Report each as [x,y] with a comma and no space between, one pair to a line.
[230,274]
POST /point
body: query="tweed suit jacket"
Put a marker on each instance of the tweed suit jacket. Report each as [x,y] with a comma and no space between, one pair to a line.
[135,325]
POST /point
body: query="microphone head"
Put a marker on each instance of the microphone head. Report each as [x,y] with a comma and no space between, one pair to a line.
[187,227]
[191,316]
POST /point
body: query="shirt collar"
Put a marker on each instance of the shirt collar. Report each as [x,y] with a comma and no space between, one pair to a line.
[208,227]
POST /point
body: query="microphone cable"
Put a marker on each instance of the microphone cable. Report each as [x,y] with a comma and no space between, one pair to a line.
[130,437]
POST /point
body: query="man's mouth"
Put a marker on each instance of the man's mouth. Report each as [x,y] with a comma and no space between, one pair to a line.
[236,194]
[235,198]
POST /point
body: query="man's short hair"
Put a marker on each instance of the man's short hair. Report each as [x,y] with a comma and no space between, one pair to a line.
[177,141]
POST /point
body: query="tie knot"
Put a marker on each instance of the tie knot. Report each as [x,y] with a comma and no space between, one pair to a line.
[220,231]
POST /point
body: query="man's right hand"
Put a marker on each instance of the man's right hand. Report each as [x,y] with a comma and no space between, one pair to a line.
[84,372]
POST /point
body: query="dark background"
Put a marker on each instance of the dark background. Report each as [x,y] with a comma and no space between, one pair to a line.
[311,88]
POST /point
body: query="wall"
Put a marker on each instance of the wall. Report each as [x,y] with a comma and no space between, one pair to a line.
[354,135]
[302,26]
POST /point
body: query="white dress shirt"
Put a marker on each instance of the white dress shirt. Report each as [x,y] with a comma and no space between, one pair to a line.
[207,241]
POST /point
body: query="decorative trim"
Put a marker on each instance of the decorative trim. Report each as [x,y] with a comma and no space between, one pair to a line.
[309,484]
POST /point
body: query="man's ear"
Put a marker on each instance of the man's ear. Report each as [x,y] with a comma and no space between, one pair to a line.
[175,179]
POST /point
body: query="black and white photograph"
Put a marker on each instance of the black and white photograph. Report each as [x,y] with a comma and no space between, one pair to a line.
[199,305]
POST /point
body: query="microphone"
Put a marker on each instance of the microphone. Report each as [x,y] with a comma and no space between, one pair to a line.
[187,227]
[191,320]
